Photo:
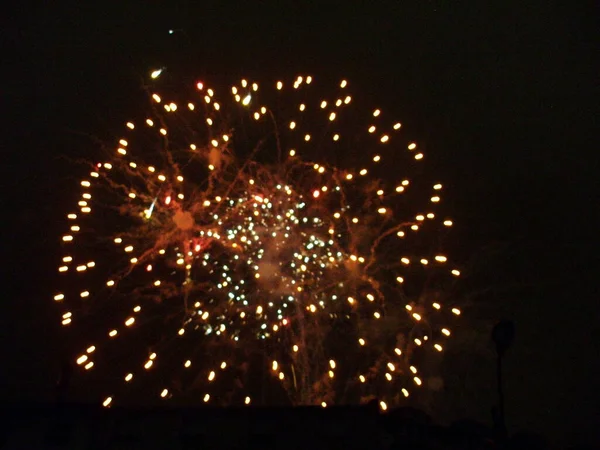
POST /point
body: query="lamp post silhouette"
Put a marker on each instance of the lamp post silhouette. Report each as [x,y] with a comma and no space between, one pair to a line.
[503,336]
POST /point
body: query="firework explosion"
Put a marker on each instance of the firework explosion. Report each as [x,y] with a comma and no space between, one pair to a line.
[216,254]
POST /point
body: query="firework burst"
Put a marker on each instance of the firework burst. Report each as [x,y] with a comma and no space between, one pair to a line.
[225,247]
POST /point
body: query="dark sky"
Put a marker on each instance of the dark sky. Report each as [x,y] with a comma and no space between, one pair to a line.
[501,93]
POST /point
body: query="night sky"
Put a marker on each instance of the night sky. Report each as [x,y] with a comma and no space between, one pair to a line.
[499,94]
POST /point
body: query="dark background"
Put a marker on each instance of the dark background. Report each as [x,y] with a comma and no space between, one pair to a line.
[501,94]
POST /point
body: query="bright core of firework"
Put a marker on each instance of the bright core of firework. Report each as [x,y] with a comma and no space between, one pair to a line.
[211,228]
